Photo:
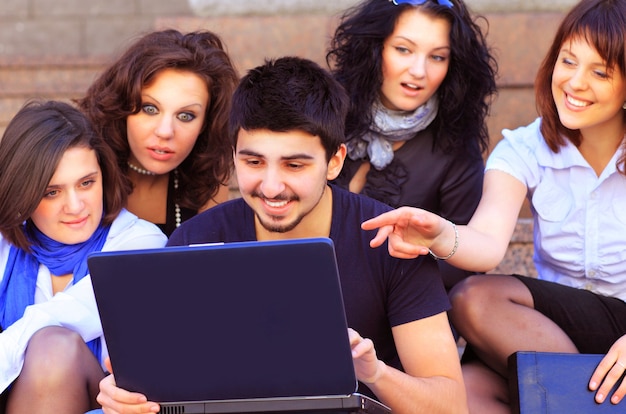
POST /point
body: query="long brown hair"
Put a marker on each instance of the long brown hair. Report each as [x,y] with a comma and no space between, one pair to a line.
[601,23]
[30,151]
[117,94]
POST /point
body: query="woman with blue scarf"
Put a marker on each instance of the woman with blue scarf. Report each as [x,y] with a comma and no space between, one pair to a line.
[62,197]
[420,77]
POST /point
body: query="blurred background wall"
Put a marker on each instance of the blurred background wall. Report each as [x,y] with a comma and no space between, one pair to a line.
[53,49]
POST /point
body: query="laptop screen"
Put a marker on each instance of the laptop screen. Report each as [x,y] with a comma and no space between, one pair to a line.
[228,321]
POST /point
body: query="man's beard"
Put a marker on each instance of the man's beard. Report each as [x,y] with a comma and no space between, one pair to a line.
[284,228]
[279,228]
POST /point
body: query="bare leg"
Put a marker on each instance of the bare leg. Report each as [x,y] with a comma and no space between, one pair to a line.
[496,315]
[487,392]
[60,375]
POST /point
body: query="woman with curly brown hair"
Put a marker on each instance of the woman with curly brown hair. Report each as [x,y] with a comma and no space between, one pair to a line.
[162,106]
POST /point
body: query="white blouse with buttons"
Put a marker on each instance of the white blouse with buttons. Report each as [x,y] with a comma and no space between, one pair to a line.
[579,218]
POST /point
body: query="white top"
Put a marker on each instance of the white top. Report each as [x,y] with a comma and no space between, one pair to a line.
[75,307]
[579,218]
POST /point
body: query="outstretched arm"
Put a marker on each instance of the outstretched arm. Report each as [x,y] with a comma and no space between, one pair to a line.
[411,231]
[480,246]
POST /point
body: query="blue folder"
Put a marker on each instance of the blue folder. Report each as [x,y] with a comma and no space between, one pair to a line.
[555,383]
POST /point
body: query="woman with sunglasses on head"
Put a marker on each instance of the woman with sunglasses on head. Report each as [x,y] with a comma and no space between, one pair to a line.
[419,75]
[62,198]
[570,164]
[162,106]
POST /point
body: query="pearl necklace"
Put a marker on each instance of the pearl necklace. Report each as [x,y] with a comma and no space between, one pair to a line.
[177,215]
[139,169]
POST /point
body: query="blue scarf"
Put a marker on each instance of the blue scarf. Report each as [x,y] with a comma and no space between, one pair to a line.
[17,288]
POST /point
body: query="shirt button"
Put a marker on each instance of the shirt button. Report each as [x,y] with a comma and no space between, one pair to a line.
[592,273]
[588,286]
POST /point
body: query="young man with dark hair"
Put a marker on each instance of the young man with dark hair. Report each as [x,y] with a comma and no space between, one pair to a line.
[287,126]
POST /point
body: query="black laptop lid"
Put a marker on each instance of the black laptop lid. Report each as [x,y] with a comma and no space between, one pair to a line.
[230,321]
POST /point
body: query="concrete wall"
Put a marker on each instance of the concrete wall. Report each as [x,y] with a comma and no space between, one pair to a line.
[53,49]
[255,7]
[36,28]
[519,41]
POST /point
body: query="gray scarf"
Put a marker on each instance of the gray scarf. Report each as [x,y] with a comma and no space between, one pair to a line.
[390,126]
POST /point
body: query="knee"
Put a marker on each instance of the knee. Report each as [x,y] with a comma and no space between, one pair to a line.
[469,296]
[52,354]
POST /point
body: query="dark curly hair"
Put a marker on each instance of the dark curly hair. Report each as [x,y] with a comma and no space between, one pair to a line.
[602,23]
[355,56]
[116,94]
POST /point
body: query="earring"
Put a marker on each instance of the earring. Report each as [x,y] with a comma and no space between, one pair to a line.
[624,106]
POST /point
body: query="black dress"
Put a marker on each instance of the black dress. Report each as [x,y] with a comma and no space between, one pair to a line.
[170,219]
[449,185]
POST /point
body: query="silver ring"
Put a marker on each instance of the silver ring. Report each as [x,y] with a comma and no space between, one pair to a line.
[621,365]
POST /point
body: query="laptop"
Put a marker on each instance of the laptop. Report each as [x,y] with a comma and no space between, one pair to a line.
[245,327]
[555,383]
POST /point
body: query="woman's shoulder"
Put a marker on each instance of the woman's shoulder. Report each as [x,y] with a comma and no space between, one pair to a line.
[527,143]
[528,136]
[521,152]
[127,225]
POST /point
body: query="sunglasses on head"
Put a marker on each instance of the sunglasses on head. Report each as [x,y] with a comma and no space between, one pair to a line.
[446,3]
